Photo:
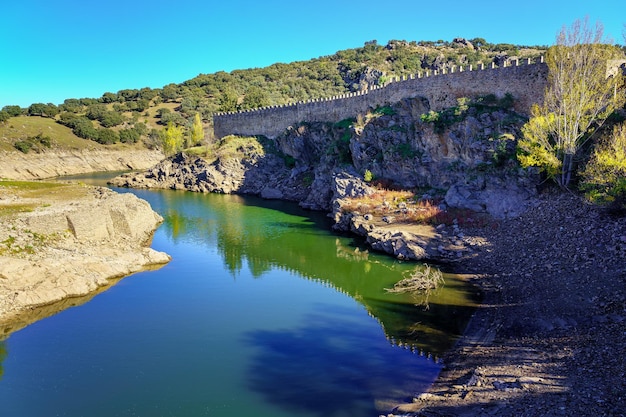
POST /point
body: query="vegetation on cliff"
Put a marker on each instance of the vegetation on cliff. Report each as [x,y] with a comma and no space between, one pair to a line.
[178,116]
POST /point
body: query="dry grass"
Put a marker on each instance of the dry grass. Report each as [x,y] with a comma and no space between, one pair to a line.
[21,127]
[406,207]
[24,196]
[403,205]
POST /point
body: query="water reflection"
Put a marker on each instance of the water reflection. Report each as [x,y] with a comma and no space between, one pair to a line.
[255,315]
[312,370]
[246,233]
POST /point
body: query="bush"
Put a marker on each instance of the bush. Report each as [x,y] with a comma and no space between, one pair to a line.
[23,146]
[384,110]
[36,143]
[106,136]
[129,136]
[604,176]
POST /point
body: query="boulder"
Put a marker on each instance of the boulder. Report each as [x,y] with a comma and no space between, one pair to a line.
[501,199]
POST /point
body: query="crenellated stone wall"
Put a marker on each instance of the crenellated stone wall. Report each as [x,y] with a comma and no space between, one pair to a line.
[525,80]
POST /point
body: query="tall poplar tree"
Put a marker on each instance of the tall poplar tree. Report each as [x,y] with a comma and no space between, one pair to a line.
[197,130]
[579,97]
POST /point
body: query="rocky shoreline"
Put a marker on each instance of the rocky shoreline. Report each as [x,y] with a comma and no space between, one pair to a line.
[549,339]
[67,241]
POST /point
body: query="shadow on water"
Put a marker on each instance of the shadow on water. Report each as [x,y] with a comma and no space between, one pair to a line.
[326,378]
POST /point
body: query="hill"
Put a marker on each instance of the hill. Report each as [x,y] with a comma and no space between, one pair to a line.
[137,115]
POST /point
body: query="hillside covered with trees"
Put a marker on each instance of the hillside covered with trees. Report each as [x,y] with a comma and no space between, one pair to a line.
[179,116]
[141,114]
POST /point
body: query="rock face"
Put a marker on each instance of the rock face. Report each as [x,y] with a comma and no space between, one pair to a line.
[262,175]
[19,166]
[69,247]
[466,152]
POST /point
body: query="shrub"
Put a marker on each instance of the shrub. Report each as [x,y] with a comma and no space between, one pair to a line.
[129,136]
[36,143]
[384,110]
[604,176]
[23,146]
[106,136]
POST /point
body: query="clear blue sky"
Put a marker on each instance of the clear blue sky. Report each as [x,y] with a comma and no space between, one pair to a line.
[53,50]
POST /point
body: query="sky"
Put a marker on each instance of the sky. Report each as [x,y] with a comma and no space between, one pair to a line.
[54,50]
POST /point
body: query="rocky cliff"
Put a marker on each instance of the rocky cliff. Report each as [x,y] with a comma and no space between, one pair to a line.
[55,163]
[67,241]
[465,153]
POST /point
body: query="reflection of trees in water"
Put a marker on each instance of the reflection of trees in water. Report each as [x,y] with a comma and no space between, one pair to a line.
[330,367]
[3,355]
[245,232]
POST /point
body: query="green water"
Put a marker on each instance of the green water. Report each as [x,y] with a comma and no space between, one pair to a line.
[262,312]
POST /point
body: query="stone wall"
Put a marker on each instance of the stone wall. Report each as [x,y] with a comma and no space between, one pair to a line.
[526,81]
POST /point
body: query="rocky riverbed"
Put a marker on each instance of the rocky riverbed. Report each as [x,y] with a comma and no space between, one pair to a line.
[550,337]
[60,241]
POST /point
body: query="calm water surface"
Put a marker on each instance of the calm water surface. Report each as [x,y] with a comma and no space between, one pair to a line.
[261,312]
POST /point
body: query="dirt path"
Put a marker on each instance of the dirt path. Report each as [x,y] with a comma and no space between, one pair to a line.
[550,338]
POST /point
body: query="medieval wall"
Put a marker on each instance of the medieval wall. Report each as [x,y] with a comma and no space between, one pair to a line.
[526,81]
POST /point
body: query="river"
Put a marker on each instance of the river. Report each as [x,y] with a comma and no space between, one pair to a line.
[261,312]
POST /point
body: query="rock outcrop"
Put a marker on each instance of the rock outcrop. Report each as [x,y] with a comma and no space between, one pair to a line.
[56,163]
[75,241]
[466,153]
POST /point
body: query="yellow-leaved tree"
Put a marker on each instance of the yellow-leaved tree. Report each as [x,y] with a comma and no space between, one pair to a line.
[604,176]
[172,139]
[579,97]
[197,131]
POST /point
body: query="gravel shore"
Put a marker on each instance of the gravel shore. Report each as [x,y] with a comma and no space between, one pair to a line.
[550,337]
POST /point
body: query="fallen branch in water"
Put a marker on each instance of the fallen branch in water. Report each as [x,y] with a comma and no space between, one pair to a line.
[419,281]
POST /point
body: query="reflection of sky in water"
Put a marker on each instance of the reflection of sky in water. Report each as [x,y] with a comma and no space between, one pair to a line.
[334,362]
[261,312]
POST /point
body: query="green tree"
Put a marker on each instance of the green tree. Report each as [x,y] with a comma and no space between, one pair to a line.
[147,93]
[228,100]
[51,110]
[172,139]
[577,101]
[96,111]
[197,130]
[4,116]
[13,110]
[109,97]
[162,112]
[111,118]
[37,109]
[172,117]
[169,92]
[254,98]
[129,135]
[83,128]
[106,136]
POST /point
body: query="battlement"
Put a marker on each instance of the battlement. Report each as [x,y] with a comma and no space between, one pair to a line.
[525,80]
